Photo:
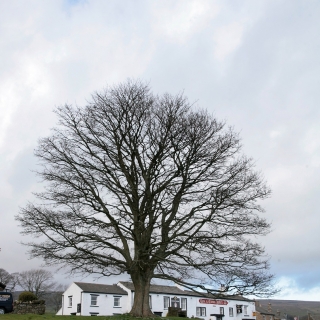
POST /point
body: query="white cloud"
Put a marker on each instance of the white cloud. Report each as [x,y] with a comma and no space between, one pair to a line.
[8,103]
[290,290]
[227,39]
[311,145]
[180,20]
[53,53]
[276,133]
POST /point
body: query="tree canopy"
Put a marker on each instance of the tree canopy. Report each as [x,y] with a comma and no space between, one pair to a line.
[150,186]
[7,280]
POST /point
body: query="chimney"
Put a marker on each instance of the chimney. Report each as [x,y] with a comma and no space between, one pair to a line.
[269,307]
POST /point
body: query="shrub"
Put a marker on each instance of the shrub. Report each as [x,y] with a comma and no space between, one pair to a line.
[27,296]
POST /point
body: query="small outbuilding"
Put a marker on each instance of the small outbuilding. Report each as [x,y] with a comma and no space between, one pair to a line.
[264,314]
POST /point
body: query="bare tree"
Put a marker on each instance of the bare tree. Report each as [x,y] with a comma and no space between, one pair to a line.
[9,280]
[150,186]
[37,281]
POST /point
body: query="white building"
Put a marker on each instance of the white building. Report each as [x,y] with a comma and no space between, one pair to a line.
[91,299]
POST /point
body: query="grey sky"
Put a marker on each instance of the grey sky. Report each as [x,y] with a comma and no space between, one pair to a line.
[253,63]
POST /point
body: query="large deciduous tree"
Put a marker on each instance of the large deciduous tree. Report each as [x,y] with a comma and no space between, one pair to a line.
[150,186]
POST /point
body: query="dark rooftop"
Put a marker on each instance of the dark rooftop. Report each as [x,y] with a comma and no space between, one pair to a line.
[100,288]
[154,288]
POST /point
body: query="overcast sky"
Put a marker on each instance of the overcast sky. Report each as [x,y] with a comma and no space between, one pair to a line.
[254,64]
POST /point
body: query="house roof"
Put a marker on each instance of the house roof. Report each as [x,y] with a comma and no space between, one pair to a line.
[154,288]
[100,288]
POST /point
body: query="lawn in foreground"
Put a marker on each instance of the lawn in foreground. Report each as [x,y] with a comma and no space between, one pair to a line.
[11,316]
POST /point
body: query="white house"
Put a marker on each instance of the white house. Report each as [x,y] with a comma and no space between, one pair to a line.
[91,299]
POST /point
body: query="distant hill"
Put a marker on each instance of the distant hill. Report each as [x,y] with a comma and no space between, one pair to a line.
[289,309]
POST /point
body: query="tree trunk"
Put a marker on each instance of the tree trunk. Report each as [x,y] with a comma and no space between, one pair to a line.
[141,304]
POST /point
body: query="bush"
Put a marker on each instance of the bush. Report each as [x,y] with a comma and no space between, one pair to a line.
[27,296]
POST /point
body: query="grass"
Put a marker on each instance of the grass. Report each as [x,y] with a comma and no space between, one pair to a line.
[28,316]
[11,316]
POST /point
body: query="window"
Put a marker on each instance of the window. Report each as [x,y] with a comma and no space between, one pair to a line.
[166,301]
[175,302]
[201,311]
[230,312]
[184,303]
[221,310]
[150,302]
[116,302]
[245,309]
[94,300]
[70,301]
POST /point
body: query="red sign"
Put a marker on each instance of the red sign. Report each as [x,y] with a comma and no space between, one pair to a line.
[212,301]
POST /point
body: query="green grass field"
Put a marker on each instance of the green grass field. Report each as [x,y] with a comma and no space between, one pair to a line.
[11,316]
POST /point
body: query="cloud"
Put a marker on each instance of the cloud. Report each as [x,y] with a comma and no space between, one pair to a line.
[181,20]
[227,39]
[254,64]
[292,291]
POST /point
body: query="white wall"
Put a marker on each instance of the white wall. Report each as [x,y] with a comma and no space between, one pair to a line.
[128,302]
[105,304]
[75,292]
[194,302]
[215,309]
